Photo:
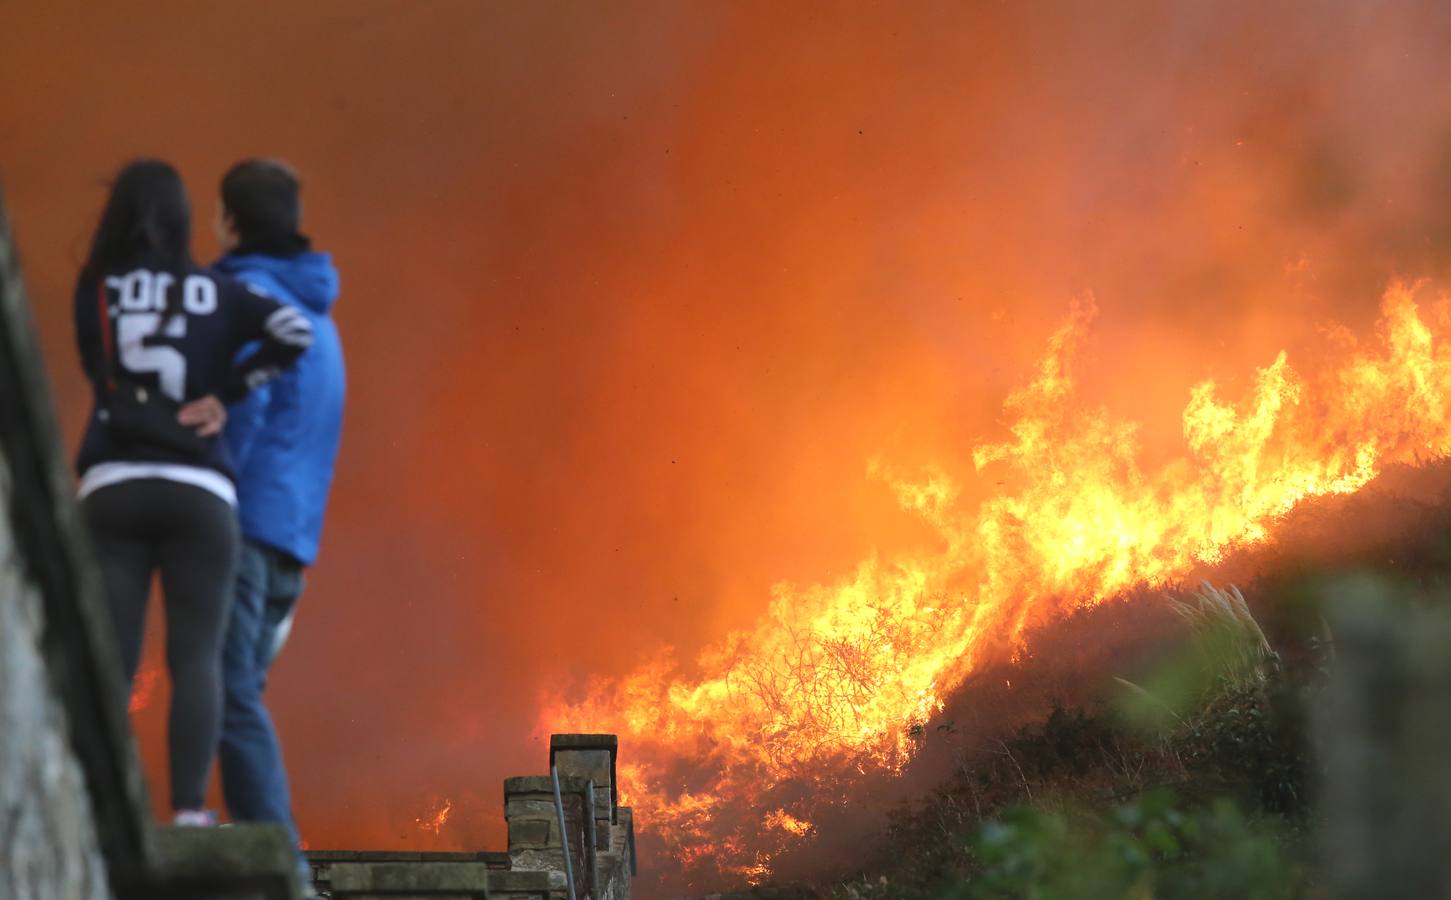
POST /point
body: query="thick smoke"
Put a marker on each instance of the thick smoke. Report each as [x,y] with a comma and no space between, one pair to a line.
[634,296]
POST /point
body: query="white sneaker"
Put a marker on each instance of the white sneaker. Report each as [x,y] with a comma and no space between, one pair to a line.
[194,818]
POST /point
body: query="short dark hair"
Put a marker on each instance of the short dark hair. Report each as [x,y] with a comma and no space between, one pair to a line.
[147,219]
[263,197]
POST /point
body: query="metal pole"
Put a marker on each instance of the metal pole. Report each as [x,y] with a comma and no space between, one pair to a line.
[563,833]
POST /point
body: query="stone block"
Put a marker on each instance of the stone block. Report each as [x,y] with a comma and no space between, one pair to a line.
[592,756]
[323,860]
[533,834]
[253,861]
[528,806]
[596,765]
[626,823]
[389,895]
[532,859]
[612,877]
[542,785]
[528,784]
[608,742]
[434,880]
[524,885]
[603,801]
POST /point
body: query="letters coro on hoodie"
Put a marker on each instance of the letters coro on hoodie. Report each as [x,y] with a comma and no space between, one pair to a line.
[284,438]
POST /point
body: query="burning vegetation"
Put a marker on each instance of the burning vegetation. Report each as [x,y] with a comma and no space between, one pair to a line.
[732,759]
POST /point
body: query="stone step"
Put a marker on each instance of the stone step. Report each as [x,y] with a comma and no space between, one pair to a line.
[323,861]
[238,862]
[436,880]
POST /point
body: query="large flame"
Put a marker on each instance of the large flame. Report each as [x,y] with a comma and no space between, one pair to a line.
[836,678]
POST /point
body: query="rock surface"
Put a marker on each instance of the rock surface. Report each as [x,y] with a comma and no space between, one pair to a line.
[48,843]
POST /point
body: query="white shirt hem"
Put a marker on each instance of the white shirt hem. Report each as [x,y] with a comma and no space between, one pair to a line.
[109,473]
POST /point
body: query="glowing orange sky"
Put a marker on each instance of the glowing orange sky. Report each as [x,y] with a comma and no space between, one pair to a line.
[632,295]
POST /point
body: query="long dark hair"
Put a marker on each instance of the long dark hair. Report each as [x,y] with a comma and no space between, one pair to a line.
[147,221]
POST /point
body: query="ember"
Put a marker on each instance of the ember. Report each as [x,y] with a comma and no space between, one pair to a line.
[143,689]
[437,817]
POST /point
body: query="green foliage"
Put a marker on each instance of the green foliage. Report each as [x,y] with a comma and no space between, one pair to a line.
[1225,635]
[1227,708]
[1225,652]
[1253,742]
[1150,848]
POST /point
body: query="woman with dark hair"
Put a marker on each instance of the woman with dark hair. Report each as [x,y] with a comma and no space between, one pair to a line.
[158,338]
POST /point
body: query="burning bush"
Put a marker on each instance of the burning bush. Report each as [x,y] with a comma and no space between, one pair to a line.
[838,681]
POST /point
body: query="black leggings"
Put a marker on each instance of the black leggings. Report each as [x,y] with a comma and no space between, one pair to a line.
[192,536]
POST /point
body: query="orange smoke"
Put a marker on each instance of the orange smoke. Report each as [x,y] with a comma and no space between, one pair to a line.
[632,292]
[836,679]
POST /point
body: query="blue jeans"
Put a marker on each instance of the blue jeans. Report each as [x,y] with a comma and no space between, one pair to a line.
[254,782]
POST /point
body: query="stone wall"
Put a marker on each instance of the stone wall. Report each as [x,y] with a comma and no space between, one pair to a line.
[596,837]
[48,844]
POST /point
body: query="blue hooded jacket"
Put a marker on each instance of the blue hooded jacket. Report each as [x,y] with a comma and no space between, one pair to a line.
[284,437]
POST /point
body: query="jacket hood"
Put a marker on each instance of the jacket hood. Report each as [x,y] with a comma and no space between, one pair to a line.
[309,277]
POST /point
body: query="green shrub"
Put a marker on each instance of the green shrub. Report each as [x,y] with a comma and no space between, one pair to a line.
[1252,742]
[1227,708]
[1150,849]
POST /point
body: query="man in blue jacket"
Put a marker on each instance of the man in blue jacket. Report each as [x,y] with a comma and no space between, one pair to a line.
[284,441]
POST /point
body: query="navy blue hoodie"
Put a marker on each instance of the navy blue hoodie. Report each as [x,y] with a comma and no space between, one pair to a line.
[186,355]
